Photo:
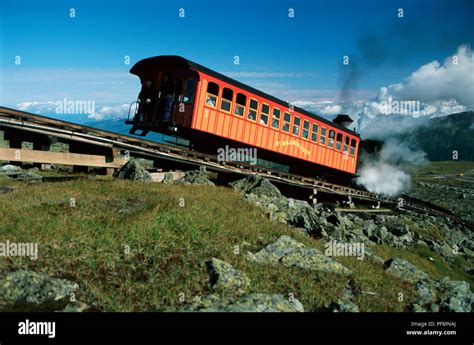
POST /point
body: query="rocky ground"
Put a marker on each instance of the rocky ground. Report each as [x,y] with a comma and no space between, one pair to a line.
[450,239]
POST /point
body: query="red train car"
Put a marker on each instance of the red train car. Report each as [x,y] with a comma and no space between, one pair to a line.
[212,110]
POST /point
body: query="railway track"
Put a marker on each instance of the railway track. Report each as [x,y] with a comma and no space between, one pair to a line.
[11,119]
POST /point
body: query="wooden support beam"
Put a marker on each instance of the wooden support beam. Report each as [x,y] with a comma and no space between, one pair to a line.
[64,158]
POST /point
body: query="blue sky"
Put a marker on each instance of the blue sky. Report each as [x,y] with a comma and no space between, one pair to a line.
[297,59]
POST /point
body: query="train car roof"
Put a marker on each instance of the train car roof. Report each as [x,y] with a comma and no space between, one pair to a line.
[175,61]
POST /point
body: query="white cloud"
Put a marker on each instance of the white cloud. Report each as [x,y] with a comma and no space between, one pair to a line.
[451,80]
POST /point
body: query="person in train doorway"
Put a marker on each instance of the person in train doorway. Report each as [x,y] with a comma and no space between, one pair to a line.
[147,99]
[167,92]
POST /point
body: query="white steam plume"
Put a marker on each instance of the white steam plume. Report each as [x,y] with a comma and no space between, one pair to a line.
[382,174]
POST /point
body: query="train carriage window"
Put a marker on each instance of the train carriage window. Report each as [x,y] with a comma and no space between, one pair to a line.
[276,118]
[331,139]
[240,103]
[338,141]
[353,147]
[189,91]
[211,95]
[296,126]
[305,129]
[322,138]
[253,106]
[346,145]
[286,122]
[314,134]
[264,114]
[226,102]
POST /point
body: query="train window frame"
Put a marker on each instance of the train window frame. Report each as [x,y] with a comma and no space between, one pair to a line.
[276,119]
[339,143]
[264,114]
[240,105]
[297,127]
[347,141]
[305,122]
[250,109]
[288,123]
[353,147]
[211,95]
[186,89]
[323,136]
[226,100]
[331,138]
[314,133]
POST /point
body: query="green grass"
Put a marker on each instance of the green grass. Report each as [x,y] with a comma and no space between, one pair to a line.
[169,245]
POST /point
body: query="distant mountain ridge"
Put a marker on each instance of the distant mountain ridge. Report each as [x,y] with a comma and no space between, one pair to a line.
[441,137]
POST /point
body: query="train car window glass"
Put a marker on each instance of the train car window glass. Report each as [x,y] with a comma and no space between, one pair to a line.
[264,114]
[314,134]
[189,91]
[331,139]
[305,134]
[226,101]
[338,141]
[353,147]
[253,106]
[346,144]
[240,102]
[276,118]
[322,138]
[286,122]
[296,126]
[211,95]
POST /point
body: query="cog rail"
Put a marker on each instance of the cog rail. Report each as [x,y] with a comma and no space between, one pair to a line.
[24,121]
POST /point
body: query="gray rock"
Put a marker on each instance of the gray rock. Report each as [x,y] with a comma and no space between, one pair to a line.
[273,252]
[405,270]
[168,178]
[444,295]
[133,171]
[248,303]
[9,169]
[223,275]
[256,184]
[311,259]
[29,176]
[291,253]
[195,177]
[343,307]
[30,291]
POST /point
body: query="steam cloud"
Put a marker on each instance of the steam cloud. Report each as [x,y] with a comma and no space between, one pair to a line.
[382,174]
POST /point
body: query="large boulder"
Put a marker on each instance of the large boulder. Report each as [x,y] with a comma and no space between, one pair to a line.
[291,253]
[9,169]
[249,303]
[134,171]
[405,270]
[264,194]
[195,177]
[30,291]
[275,251]
[223,275]
[443,296]
[256,184]
[311,259]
